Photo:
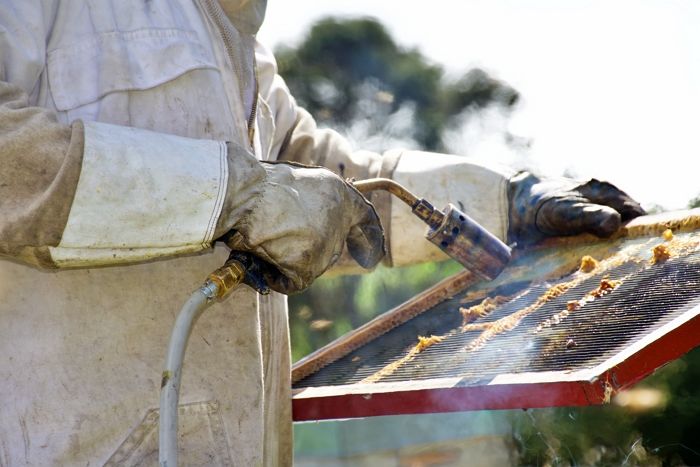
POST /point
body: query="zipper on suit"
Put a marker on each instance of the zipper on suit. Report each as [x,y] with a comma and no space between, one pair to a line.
[254,109]
[217,14]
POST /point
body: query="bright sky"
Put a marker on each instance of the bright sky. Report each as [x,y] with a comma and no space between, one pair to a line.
[611,89]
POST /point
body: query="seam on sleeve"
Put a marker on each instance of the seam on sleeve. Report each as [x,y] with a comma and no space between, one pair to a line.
[220,197]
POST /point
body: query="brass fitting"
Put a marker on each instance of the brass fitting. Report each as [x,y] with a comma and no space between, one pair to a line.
[227,277]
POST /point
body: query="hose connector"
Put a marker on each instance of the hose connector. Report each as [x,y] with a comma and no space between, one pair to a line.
[227,277]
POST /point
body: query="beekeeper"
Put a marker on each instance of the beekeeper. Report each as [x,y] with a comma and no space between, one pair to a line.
[133,134]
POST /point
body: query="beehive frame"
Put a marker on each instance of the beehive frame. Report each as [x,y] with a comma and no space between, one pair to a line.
[587,386]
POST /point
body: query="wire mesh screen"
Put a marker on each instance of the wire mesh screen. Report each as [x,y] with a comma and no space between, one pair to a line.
[544,314]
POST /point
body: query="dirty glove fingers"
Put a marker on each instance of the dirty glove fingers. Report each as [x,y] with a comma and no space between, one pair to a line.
[277,281]
[272,276]
[571,216]
[552,207]
[366,244]
[609,195]
[365,239]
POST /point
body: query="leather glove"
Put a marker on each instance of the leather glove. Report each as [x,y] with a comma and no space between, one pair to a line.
[298,221]
[557,207]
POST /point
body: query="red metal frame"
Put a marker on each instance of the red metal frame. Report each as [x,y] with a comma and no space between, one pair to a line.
[531,390]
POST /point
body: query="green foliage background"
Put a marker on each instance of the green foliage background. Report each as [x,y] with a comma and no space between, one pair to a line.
[610,435]
[342,303]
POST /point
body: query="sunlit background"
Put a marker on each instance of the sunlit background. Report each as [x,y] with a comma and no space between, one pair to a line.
[609,89]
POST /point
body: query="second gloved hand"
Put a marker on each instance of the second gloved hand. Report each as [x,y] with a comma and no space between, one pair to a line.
[555,207]
[298,221]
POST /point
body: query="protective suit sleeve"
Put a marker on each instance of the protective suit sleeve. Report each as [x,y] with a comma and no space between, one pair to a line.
[91,194]
[479,189]
[98,194]
[41,162]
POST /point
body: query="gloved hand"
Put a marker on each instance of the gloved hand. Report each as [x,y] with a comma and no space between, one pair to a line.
[556,207]
[298,220]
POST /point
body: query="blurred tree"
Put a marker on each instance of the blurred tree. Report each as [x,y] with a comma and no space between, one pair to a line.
[694,203]
[351,75]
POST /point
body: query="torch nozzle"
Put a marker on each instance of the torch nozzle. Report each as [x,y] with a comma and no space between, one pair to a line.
[386,184]
[454,232]
[420,207]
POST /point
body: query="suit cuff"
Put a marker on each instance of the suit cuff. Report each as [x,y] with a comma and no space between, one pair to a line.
[142,195]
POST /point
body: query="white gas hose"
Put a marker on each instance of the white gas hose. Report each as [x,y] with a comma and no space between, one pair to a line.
[218,284]
[170,385]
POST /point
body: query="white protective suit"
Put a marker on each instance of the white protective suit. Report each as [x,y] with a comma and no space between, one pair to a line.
[144,93]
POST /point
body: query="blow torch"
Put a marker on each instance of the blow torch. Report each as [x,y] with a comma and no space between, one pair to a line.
[455,233]
[452,231]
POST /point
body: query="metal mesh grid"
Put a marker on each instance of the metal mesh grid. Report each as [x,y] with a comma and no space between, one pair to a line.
[648,297]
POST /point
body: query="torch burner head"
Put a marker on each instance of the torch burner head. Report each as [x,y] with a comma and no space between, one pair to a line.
[453,231]
[467,242]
